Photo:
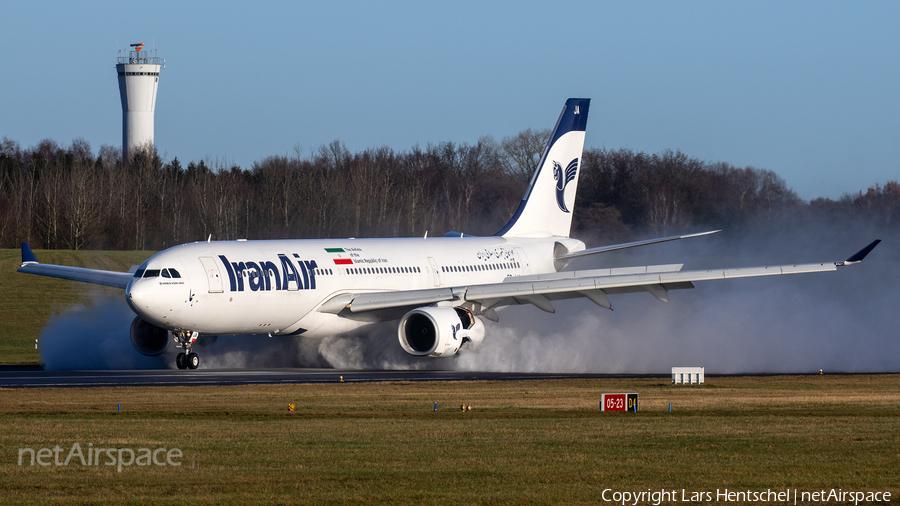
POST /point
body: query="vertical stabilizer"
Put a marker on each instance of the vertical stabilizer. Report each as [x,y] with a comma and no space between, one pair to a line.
[546,209]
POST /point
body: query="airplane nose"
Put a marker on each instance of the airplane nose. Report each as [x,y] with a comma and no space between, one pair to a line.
[140,297]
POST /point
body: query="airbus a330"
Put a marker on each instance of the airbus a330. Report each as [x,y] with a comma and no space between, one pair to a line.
[439,289]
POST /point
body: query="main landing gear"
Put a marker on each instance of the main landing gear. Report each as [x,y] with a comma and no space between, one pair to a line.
[186,359]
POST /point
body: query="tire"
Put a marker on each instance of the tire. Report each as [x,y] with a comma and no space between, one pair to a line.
[180,362]
[192,360]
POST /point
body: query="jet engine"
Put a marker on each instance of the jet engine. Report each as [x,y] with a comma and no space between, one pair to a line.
[439,331]
[148,339]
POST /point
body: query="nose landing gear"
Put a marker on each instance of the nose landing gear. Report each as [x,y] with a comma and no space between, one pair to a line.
[186,359]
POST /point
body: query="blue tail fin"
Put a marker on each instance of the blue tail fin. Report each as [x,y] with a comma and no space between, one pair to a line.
[546,208]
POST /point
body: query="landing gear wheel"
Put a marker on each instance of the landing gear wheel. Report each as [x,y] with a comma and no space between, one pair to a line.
[186,359]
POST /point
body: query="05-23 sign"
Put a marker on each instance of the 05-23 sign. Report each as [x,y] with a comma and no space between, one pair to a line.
[619,402]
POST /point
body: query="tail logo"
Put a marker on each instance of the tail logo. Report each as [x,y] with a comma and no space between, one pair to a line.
[562,180]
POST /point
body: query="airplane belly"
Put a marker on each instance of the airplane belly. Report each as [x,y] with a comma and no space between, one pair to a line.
[242,314]
[317,324]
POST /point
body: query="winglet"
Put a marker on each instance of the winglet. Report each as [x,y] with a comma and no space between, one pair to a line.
[858,257]
[28,255]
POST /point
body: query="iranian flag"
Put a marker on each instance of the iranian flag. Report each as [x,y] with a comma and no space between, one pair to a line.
[338,256]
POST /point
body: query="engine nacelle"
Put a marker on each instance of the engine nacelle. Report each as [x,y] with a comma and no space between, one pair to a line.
[148,339]
[439,331]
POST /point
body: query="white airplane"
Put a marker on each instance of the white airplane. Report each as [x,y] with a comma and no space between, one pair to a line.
[439,288]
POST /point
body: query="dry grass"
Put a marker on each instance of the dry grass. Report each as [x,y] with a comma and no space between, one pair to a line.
[525,442]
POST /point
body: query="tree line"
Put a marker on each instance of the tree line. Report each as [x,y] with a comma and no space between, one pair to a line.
[69,197]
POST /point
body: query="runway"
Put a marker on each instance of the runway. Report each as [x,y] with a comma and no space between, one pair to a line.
[34,377]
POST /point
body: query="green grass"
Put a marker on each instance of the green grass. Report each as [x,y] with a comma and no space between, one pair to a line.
[531,442]
[28,301]
[536,442]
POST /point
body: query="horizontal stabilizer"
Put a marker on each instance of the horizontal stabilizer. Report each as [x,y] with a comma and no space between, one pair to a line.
[614,247]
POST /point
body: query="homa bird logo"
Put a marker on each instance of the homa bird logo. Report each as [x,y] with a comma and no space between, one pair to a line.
[562,180]
[455,329]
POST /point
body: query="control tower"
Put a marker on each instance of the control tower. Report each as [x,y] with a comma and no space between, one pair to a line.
[138,79]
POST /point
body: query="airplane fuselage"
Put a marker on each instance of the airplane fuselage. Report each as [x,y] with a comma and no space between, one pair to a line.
[276,287]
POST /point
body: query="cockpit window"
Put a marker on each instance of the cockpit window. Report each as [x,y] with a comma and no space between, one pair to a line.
[174,273]
[151,273]
[138,273]
[165,273]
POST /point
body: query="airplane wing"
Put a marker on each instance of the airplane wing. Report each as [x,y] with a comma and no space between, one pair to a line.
[30,265]
[540,290]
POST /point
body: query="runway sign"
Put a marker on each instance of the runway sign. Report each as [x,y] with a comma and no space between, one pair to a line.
[619,402]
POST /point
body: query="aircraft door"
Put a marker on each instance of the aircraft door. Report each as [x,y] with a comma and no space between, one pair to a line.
[437,273]
[212,274]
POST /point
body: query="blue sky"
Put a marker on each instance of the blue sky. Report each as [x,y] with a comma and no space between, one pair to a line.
[806,89]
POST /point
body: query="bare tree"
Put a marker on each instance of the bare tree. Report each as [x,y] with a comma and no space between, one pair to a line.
[522,152]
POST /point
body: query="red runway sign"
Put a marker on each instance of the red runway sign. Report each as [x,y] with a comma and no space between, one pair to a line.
[619,402]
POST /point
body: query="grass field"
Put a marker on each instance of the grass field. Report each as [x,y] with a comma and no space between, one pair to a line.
[28,301]
[528,442]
